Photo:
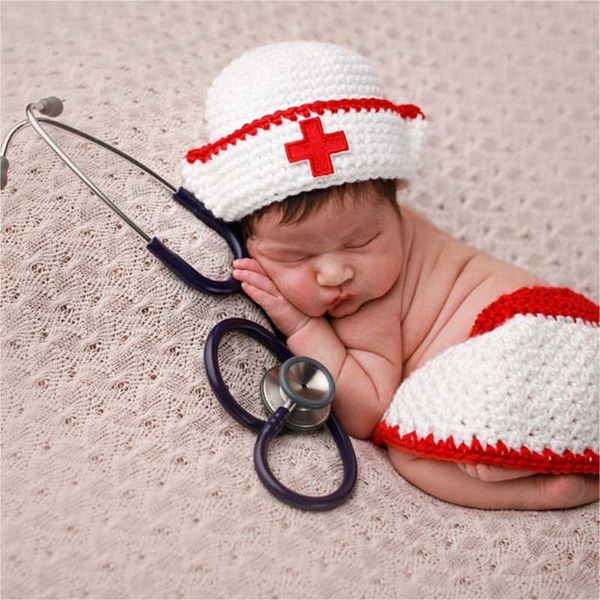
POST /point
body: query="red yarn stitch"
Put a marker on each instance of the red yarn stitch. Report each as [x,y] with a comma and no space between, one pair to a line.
[547,301]
[500,455]
[205,153]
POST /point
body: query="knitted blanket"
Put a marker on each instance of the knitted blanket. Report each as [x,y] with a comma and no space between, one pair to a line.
[122,477]
[521,393]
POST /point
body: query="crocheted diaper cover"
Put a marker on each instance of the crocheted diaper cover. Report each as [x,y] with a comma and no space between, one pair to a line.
[521,392]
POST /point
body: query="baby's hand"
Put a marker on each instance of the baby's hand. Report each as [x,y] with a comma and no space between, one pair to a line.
[492,473]
[259,287]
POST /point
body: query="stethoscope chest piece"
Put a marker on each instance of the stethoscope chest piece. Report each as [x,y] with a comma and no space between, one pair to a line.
[300,382]
[306,381]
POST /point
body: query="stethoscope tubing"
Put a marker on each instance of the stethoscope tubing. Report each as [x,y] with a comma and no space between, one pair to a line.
[184,270]
[314,503]
[268,430]
[213,372]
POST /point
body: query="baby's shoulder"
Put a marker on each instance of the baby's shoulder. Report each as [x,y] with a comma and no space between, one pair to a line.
[490,278]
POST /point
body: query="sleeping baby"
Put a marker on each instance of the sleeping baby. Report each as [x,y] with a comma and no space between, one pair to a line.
[453,360]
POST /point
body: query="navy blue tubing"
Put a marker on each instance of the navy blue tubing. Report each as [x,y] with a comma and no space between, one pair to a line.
[315,503]
[229,232]
[211,363]
[269,429]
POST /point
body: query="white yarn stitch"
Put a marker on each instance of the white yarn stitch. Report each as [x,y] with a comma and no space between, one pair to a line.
[276,76]
[255,172]
[531,382]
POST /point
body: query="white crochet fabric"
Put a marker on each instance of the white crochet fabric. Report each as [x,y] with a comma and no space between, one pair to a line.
[522,395]
[295,116]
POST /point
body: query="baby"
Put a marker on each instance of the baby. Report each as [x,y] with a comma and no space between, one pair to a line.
[371,289]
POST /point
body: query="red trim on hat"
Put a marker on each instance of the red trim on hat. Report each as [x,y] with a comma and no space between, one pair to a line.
[205,153]
[545,462]
[538,300]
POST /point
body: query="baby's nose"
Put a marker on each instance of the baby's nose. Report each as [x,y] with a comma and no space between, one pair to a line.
[332,274]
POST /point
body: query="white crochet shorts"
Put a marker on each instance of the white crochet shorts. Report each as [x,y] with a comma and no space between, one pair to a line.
[521,392]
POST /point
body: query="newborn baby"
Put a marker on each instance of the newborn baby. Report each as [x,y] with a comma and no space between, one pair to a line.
[445,355]
[374,291]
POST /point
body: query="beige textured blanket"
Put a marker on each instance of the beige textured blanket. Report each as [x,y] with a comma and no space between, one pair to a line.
[121,475]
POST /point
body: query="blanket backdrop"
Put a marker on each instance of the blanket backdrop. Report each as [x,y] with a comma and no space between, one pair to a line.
[121,475]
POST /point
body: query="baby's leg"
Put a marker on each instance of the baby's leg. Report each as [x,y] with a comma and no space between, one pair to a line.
[493,473]
[446,481]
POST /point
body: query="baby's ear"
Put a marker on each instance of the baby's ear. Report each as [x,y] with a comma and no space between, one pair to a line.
[245,228]
[401,184]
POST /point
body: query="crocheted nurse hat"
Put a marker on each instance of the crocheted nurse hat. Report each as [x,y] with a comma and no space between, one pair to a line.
[296,116]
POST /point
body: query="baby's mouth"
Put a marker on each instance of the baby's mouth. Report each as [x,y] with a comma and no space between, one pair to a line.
[339,299]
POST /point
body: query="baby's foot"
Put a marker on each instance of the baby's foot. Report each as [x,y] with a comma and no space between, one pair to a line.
[492,473]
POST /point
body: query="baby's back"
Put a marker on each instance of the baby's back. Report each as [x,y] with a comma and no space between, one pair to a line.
[444,286]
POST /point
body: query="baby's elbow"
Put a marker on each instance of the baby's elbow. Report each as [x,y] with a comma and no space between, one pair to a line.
[361,426]
[362,433]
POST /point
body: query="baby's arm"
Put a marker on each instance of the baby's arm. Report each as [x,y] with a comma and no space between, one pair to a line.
[364,381]
[360,399]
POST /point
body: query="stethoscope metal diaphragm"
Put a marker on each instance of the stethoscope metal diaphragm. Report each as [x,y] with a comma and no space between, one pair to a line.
[304,386]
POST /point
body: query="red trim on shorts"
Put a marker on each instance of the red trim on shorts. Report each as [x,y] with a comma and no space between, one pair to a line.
[499,455]
[205,153]
[544,301]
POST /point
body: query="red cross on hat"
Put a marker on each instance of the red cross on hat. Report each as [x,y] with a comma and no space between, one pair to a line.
[316,146]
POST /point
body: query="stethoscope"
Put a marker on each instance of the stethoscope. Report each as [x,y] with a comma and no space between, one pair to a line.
[296,394]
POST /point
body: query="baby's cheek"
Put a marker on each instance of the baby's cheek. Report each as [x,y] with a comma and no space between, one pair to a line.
[292,282]
[298,287]
[380,274]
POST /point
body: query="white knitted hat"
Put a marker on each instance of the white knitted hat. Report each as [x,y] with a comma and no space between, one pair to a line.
[296,116]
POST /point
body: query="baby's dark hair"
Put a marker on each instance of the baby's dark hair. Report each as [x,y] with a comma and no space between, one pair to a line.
[295,209]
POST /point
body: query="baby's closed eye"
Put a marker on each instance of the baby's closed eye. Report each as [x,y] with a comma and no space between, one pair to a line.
[363,244]
[289,256]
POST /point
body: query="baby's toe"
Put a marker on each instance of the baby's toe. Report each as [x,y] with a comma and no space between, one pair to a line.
[493,473]
[468,469]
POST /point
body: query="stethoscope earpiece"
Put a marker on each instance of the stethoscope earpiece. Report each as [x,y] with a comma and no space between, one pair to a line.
[3,172]
[50,106]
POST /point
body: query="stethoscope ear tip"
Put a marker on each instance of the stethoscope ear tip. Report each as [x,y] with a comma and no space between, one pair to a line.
[50,106]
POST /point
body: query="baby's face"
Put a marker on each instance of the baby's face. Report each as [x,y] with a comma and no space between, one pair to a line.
[336,259]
